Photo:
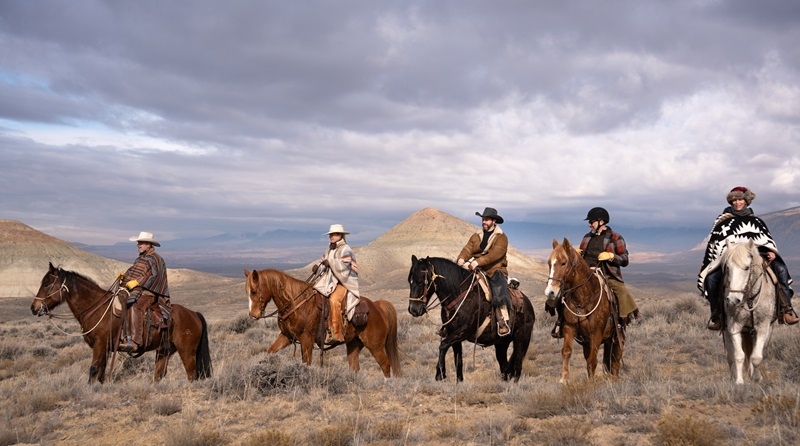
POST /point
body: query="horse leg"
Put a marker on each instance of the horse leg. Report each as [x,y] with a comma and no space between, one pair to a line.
[737,356]
[441,371]
[97,371]
[353,350]
[458,360]
[379,353]
[590,353]
[566,353]
[762,337]
[279,344]
[163,353]
[306,347]
[501,353]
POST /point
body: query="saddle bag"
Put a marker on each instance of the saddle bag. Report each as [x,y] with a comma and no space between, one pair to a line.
[360,313]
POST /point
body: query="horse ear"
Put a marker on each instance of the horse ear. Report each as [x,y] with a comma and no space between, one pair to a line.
[246,273]
[52,268]
[413,259]
[566,244]
[555,243]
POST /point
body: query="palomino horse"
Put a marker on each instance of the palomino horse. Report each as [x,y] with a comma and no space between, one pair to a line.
[300,319]
[91,306]
[750,308]
[590,310]
[466,315]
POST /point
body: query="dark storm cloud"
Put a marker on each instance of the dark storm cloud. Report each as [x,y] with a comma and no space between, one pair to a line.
[203,117]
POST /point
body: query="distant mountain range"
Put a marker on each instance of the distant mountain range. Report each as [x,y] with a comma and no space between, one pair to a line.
[657,254]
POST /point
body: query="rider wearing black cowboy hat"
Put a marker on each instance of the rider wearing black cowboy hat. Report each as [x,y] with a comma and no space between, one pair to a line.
[487,250]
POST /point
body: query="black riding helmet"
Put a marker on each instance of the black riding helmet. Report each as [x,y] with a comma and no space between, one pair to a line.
[597,214]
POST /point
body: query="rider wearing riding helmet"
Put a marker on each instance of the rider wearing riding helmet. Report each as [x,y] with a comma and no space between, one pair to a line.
[738,223]
[603,248]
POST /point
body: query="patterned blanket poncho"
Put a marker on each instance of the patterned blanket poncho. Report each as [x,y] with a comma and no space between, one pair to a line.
[738,230]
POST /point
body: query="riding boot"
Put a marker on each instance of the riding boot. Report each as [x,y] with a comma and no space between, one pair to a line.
[711,292]
[502,324]
[558,330]
[335,319]
[134,342]
[785,292]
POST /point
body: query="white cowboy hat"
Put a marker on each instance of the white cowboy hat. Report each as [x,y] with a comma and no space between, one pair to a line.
[145,237]
[336,229]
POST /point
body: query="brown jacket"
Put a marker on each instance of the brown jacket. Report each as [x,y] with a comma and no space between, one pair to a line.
[494,257]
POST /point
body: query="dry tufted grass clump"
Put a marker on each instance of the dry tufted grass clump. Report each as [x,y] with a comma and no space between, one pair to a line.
[675,388]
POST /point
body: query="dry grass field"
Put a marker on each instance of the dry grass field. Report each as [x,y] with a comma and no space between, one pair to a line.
[674,389]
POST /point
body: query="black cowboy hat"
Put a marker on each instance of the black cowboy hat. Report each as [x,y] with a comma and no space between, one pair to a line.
[491,213]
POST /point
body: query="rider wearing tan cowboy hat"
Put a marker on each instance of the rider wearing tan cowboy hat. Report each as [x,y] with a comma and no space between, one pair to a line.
[487,250]
[146,280]
[339,279]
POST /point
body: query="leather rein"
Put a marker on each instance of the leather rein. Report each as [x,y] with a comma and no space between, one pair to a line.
[565,293]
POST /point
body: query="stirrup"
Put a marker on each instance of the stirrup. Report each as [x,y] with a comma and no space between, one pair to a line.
[502,328]
[789,318]
[128,347]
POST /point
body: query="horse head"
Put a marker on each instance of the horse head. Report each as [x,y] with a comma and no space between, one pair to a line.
[258,294]
[562,263]
[51,292]
[421,280]
[742,264]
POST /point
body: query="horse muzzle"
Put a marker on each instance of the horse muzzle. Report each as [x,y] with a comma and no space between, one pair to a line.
[39,311]
[417,309]
[735,299]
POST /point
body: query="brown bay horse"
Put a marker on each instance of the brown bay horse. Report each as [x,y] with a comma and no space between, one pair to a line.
[300,319]
[590,310]
[91,305]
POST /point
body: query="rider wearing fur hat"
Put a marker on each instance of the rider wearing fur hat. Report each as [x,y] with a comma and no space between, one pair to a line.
[738,223]
[146,280]
[487,250]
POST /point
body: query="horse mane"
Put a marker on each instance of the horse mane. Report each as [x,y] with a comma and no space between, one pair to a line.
[278,279]
[449,272]
[72,275]
[738,252]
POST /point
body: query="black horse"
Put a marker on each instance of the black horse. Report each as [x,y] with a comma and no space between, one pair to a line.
[464,313]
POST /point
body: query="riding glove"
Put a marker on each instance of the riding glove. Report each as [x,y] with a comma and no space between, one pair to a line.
[132,284]
[605,256]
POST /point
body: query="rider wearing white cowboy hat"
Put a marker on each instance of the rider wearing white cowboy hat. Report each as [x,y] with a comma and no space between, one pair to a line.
[146,279]
[339,279]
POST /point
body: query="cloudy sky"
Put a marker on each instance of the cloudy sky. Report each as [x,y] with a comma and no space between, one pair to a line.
[194,118]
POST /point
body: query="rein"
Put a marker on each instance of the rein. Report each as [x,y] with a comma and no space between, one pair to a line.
[597,273]
[93,307]
[748,293]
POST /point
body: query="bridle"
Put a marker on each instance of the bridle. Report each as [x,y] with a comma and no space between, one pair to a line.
[565,293]
[753,277]
[428,285]
[43,307]
[262,304]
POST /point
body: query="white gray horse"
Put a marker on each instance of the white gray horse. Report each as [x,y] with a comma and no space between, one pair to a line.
[750,309]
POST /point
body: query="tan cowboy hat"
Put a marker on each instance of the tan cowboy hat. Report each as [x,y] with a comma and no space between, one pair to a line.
[145,237]
[336,229]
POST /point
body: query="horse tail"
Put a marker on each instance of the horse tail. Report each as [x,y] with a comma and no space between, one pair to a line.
[392,348]
[203,367]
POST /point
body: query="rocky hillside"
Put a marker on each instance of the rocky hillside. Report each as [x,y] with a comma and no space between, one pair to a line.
[26,253]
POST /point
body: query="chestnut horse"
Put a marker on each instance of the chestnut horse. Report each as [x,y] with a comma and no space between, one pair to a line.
[590,310]
[750,309]
[300,319]
[91,305]
[466,315]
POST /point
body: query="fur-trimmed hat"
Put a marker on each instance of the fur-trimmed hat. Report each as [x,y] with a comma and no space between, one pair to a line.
[741,193]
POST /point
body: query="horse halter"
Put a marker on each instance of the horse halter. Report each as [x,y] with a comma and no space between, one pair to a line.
[43,308]
[752,278]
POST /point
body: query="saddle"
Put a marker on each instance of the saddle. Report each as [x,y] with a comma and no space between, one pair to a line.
[360,314]
[158,315]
